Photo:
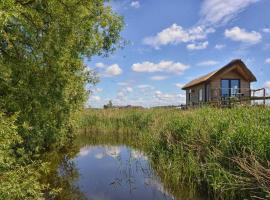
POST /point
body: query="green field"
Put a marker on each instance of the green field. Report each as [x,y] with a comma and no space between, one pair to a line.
[225,152]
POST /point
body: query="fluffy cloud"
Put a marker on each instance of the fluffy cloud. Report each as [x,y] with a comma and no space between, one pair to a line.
[158,78]
[215,12]
[135,4]
[241,35]
[208,63]
[128,89]
[163,66]
[100,65]
[220,46]
[113,70]
[95,98]
[267,61]
[122,94]
[198,46]
[176,34]
[179,85]
[266,30]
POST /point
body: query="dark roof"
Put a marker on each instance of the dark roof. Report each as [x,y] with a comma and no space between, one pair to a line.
[211,75]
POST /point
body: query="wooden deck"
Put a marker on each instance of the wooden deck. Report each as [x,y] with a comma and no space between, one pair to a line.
[237,100]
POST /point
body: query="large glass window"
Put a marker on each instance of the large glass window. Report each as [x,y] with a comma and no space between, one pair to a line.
[235,85]
[230,87]
[225,88]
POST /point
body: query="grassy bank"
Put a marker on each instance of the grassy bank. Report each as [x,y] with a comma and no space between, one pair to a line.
[223,151]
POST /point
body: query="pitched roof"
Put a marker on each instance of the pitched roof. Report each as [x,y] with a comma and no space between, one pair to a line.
[211,75]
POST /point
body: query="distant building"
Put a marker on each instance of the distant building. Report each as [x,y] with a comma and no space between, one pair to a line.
[232,80]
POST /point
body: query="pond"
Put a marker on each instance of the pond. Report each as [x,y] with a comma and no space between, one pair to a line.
[100,171]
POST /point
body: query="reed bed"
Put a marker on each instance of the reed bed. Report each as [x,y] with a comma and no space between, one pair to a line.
[224,152]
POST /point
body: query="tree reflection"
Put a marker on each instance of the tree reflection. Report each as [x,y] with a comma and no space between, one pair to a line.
[63,176]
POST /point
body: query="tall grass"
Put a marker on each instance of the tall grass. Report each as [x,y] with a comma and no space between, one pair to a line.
[225,152]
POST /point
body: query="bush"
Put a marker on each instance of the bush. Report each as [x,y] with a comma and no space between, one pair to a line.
[19,176]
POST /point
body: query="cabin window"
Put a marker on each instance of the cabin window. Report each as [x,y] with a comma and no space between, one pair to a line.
[201,94]
[230,87]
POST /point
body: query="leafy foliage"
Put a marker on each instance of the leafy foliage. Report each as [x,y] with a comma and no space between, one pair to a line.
[42,45]
[18,181]
[43,78]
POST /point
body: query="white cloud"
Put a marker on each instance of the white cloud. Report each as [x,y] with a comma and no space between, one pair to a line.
[158,93]
[100,65]
[145,86]
[179,85]
[135,4]
[122,94]
[158,78]
[216,12]
[169,99]
[208,63]
[266,30]
[95,98]
[113,70]
[97,90]
[198,46]
[176,34]
[163,66]
[241,35]
[220,46]
[267,84]
[128,89]
[267,61]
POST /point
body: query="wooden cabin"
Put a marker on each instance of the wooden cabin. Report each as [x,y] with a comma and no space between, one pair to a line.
[231,81]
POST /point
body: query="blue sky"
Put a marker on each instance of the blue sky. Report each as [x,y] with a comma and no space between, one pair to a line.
[172,42]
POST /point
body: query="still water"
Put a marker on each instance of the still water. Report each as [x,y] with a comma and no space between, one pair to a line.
[108,170]
[117,173]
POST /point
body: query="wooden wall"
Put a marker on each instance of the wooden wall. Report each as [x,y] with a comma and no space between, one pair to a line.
[216,83]
[195,94]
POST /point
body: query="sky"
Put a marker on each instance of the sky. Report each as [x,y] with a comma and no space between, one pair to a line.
[171,42]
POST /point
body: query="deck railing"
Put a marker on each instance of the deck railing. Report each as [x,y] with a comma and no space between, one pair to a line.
[234,96]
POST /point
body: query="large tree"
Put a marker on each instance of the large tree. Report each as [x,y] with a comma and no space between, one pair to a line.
[42,74]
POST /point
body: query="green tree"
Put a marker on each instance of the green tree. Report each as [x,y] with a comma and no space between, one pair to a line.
[42,77]
[108,105]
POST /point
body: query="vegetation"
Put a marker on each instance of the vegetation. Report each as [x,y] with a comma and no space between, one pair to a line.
[42,80]
[225,152]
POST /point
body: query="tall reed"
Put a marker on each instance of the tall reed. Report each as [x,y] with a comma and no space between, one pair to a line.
[223,151]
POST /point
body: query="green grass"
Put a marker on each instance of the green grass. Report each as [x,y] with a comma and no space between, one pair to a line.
[223,151]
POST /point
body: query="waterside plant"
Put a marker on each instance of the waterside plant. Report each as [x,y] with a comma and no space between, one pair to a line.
[225,152]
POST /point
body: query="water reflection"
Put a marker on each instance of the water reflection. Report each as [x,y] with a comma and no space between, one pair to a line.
[117,172]
[101,167]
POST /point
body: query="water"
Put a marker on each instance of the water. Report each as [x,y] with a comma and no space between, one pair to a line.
[117,173]
[108,171]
